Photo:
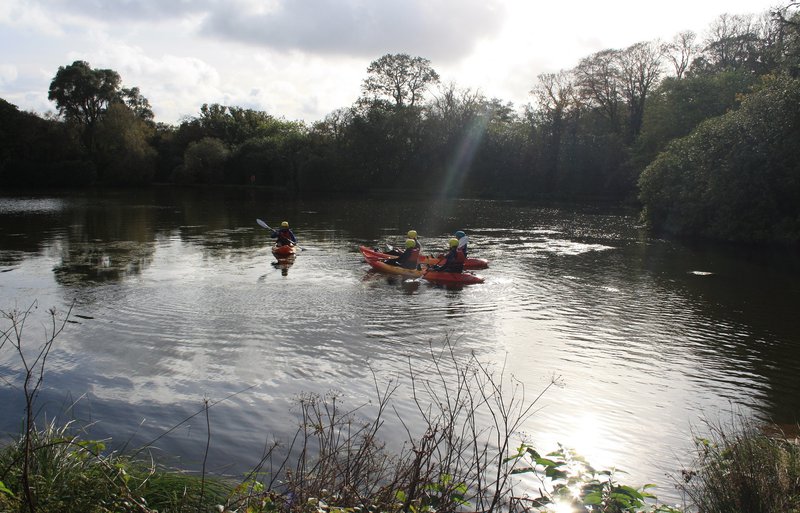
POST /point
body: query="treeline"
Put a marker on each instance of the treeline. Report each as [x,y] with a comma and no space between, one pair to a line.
[652,121]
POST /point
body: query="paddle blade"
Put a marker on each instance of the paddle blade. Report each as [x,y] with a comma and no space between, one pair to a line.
[263,224]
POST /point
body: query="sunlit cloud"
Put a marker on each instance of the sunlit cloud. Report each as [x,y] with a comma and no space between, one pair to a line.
[303,59]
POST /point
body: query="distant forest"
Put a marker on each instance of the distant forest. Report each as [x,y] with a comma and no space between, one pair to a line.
[703,133]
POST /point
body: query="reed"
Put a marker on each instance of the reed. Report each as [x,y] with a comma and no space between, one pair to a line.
[740,467]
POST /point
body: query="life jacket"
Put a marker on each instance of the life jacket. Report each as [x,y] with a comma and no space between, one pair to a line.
[284,236]
[455,261]
[409,258]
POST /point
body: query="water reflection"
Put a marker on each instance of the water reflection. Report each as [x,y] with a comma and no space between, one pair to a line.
[178,302]
[284,263]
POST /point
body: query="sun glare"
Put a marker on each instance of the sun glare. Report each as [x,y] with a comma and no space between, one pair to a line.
[563,507]
[589,437]
[461,160]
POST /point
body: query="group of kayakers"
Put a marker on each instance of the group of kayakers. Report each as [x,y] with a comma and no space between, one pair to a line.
[407,258]
[452,262]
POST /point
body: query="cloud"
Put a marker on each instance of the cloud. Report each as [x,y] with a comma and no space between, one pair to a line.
[24,15]
[8,73]
[173,84]
[125,10]
[436,29]
[444,30]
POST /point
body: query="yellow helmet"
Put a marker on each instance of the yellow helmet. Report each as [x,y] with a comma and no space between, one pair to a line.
[453,243]
[285,224]
[410,243]
[412,234]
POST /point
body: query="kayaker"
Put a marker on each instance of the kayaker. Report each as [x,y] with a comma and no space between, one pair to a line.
[462,241]
[284,235]
[454,260]
[412,234]
[408,259]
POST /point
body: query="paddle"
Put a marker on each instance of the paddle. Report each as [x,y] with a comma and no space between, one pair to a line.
[418,278]
[268,227]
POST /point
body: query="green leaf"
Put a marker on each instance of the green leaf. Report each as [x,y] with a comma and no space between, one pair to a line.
[631,492]
[532,453]
[522,470]
[5,490]
[593,499]
[554,473]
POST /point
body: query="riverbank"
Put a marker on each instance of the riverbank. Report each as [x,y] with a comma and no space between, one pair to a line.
[739,470]
[463,451]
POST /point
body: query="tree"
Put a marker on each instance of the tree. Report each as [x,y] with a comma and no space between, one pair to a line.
[82,94]
[737,176]
[204,162]
[733,42]
[400,77]
[39,152]
[452,108]
[681,51]
[137,103]
[555,99]
[597,82]
[123,150]
[639,70]
[676,107]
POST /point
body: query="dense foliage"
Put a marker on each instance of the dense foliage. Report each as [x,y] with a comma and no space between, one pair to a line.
[589,132]
[737,176]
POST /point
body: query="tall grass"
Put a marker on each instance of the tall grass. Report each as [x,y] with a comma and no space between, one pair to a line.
[741,468]
[70,474]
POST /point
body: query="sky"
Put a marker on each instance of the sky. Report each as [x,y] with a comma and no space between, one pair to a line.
[303,59]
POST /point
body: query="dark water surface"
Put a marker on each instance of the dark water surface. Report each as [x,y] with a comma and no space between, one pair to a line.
[177,300]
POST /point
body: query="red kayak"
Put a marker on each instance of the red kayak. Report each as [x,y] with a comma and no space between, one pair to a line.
[444,278]
[284,251]
[470,263]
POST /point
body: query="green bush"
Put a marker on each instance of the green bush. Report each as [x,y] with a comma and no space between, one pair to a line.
[736,177]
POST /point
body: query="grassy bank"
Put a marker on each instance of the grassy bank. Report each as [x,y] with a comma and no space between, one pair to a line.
[744,470]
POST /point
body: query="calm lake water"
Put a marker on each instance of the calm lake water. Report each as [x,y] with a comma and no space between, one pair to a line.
[178,299]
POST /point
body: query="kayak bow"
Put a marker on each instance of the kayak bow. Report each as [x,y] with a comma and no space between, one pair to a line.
[284,251]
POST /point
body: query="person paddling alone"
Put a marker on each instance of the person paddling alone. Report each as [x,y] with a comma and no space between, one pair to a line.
[284,235]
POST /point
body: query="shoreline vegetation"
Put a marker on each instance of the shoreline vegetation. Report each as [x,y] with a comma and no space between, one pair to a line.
[701,132]
[462,453]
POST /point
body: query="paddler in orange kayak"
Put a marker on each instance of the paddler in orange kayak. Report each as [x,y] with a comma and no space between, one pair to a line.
[412,234]
[408,259]
[284,235]
[454,260]
[462,241]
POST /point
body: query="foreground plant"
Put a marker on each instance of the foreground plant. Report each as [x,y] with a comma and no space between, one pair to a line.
[569,484]
[742,468]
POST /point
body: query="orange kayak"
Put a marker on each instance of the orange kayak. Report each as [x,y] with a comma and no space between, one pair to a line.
[284,251]
[470,263]
[444,278]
